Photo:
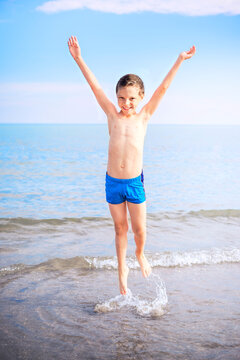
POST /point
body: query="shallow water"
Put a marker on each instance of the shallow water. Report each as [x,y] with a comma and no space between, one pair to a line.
[71,312]
[59,296]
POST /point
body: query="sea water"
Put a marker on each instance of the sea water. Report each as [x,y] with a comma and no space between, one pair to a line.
[59,296]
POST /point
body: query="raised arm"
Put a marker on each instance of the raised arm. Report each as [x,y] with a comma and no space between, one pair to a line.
[153,103]
[74,48]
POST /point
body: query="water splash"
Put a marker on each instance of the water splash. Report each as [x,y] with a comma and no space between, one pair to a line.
[152,308]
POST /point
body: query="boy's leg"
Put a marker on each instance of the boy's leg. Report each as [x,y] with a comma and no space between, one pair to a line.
[138,220]
[119,215]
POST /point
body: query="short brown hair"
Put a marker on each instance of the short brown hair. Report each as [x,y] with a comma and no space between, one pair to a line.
[131,80]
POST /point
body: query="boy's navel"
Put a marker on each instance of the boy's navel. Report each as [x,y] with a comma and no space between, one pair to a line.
[122,165]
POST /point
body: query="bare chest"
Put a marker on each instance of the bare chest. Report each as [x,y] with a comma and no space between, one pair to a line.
[127,130]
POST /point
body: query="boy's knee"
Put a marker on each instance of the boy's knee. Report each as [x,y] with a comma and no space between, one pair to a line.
[139,231]
[121,228]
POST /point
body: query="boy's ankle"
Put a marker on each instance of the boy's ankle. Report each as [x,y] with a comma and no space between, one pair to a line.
[139,253]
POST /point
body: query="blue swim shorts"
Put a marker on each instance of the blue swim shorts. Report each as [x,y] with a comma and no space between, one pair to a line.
[120,190]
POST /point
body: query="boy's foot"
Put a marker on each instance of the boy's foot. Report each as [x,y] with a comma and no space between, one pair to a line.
[123,275]
[144,264]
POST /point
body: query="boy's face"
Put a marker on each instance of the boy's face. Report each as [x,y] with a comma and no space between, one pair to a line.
[128,99]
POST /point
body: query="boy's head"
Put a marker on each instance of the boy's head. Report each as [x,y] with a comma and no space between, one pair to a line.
[131,80]
[130,91]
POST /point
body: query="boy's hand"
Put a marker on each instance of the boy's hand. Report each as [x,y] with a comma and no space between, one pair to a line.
[74,48]
[188,54]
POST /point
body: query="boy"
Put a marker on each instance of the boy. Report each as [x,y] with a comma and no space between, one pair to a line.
[124,176]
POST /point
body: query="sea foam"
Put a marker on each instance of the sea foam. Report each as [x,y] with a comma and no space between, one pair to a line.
[172,259]
[167,259]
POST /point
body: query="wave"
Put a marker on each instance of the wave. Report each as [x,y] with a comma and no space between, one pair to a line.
[166,260]
[11,224]
[173,259]
[52,221]
[50,225]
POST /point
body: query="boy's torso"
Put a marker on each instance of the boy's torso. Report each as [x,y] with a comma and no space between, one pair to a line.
[125,153]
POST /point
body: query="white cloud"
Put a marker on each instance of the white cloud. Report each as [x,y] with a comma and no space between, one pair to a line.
[48,103]
[184,7]
[75,103]
[38,87]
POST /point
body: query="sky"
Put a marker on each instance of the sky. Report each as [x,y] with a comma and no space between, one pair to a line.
[41,83]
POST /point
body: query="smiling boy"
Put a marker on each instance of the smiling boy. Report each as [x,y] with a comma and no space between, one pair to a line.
[124,176]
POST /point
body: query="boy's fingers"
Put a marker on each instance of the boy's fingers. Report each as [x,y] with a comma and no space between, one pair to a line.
[72,41]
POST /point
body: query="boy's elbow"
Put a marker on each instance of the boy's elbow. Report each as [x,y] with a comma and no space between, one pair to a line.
[164,86]
[161,90]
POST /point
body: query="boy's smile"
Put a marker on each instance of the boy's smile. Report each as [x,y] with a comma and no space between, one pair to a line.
[128,99]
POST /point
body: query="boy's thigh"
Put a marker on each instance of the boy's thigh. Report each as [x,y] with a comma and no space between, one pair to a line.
[138,215]
[119,213]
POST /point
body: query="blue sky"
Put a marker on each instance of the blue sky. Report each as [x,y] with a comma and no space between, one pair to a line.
[39,81]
